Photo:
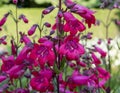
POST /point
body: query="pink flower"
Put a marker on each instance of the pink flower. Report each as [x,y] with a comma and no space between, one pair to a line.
[3,20]
[23,17]
[82,11]
[15,1]
[71,48]
[2,40]
[72,24]
[31,31]
[16,71]
[2,78]
[103,73]
[43,53]
[80,80]
[99,50]
[7,63]
[24,38]
[96,61]
[40,83]
[13,48]
[22,57]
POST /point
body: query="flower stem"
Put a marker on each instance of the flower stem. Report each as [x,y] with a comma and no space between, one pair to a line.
[17,33]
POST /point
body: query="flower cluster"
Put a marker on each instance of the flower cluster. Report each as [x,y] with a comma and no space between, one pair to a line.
[55,63]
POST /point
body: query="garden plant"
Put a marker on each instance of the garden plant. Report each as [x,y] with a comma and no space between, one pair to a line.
[60,61]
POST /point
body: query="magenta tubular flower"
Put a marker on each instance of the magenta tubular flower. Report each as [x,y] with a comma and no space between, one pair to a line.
[2,78]
[43,53]
[25,39]
[80,80]
[3,20]
[71,48]
[16,71]
[2,40]
[48,10]
[46,73]
[72,24]
[23,55]
[85,13]
[23,17]
[102,53]
[82,11]
[40,83]
[103,73]
[31,31]
[96,61]
[13,48]
[47,24]
[7,63]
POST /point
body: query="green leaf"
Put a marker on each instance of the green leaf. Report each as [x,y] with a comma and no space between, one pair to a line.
[62,63]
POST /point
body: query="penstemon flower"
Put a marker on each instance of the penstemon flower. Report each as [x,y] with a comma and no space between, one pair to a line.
[58,62]
[71,48]
[72,24]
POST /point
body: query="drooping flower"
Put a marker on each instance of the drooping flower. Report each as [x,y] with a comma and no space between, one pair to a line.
[72,24]
[13,48]
[43,53]
[80,80]
[22,57]
[48,10]
[96,60]
[31,31]
[2,40]
[99,50]
[2,78]
[7,63]
[24,38]
[3,20]
[71,48]
[16,71]
[84,12]
[23,17]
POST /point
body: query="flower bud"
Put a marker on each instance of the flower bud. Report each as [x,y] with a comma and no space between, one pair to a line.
[60,14]
[15,1]
[47,24]
[2,40]
[3,20]
[23,18]
[32,30]
[48,10]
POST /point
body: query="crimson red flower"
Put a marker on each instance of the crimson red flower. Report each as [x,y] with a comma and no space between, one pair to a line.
[71,48]
[72,24]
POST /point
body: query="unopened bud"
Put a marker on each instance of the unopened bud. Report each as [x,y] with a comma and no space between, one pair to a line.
[48,10]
